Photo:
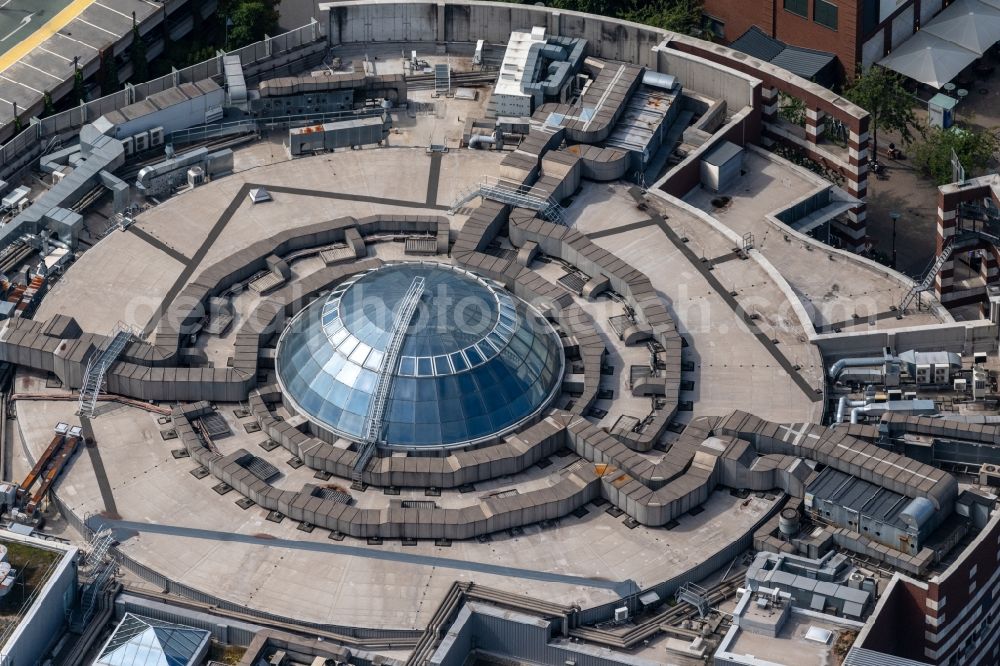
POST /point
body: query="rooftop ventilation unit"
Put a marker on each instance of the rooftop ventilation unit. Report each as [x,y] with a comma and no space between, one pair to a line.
[196,176]
[155,137]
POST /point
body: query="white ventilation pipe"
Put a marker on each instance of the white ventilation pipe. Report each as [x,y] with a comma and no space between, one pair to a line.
[842,406]
[482,141]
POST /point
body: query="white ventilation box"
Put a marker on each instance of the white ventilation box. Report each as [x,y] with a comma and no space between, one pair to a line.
[196,176]
[129,144]
[621,614]
[141,141]
[155,137]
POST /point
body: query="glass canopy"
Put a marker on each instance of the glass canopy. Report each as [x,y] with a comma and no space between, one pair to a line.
[474,362]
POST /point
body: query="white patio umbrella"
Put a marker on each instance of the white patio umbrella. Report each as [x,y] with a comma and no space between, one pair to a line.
[929,59]
[970,24]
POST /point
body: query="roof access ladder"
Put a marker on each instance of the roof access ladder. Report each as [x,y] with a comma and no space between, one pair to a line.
[97,367]
[387,370]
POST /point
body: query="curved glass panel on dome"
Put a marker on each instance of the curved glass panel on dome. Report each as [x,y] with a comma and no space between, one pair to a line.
[473,363]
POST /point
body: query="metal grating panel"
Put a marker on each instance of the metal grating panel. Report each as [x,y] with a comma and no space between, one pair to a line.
[336,255]
[418,504]
[333,495]
[215,426]
[442,79]
[266,283]
[573,282]
[424,245]
[260,468]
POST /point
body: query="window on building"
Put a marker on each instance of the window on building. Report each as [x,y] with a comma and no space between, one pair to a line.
[716,27]
[825,13]
[800,7]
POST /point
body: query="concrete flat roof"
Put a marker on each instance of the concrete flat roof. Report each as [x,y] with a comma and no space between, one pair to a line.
[848,293]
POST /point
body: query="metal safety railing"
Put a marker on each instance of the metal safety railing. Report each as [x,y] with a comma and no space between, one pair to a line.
[512,194]
[387,370]
[97,367]
[961,236]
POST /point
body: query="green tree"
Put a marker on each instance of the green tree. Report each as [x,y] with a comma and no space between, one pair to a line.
[109,72]
[49,107]
[140,63]
[792,109]
[684,16]
[880,92]
[252,19]
[974,149]
[79,91]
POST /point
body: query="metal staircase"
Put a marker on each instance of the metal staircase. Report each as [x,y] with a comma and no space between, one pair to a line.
[512,194]
[100,544]
[695,595]
[928,280]
[97,367]
[387,370]
[961,237]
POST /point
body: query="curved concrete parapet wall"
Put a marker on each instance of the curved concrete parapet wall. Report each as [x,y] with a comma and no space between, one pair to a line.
[155,372]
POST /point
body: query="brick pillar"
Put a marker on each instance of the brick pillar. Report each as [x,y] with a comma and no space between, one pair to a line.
[947,224]
[769,98]
[990,269]
[855,231]
[814,123]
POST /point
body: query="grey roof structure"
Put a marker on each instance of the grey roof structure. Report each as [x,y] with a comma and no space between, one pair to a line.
[140,641]
[807,63]
[860,496]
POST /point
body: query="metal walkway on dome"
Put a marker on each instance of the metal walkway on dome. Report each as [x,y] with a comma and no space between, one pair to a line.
[376,408]
[508,192]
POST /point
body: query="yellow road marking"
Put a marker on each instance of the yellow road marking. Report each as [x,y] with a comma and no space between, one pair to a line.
[51,27]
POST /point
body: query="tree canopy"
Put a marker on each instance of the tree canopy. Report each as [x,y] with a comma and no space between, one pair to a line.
[880,92]
[677,15]
[252,19]
[974,148]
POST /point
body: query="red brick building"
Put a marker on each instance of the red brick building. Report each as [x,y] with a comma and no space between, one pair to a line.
[857,32]
[953,619]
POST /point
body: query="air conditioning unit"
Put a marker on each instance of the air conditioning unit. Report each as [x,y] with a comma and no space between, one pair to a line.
[923,374]
[155,137]
[960,385]
[129,144]
[196,176]
[141,141]
[621,614]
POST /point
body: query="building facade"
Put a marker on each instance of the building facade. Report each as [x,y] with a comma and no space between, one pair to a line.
[858,32]
[959,611]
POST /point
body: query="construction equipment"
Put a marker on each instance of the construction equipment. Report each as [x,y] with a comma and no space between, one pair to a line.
[47,469]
